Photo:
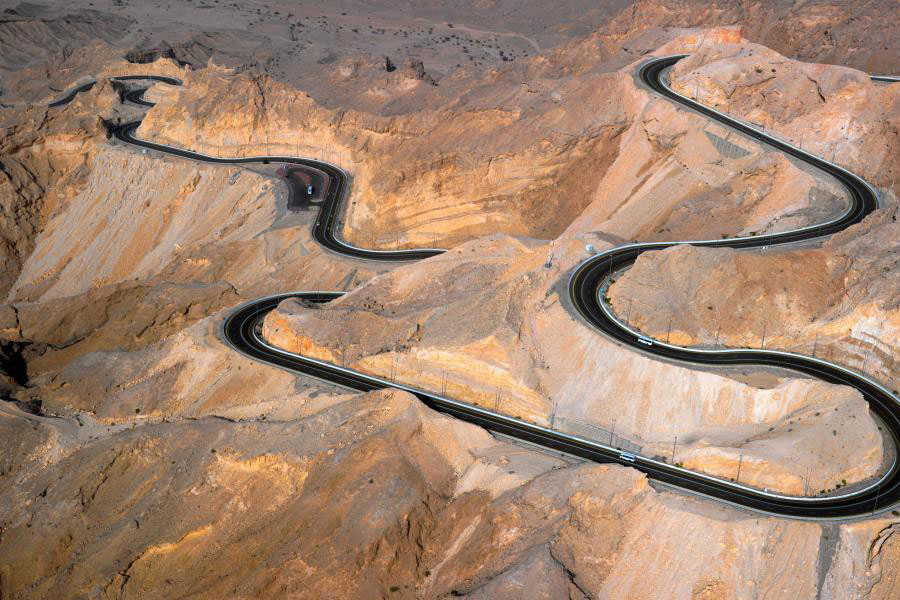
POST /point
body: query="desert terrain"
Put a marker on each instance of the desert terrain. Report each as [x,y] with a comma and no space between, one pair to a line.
[144,457]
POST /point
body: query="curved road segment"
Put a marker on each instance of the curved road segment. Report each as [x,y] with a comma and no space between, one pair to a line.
[70,95]
[135,96]
[241,329]
[587,280]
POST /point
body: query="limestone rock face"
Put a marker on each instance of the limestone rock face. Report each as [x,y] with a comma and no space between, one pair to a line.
[142,457]
[834,112]
[838,301]
[459,169]
[362,499]
[158,243]
[495,154]
[520,358]
[525,353]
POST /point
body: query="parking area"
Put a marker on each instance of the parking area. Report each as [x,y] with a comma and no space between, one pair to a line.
[308,186]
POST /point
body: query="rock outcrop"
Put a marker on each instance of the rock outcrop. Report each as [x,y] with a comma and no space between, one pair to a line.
[525,353]
[375,495]
[834,112]
[838,301]
[141,457]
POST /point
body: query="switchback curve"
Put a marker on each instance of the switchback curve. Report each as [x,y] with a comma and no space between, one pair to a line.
[69,95]
[586,282]
[241,329]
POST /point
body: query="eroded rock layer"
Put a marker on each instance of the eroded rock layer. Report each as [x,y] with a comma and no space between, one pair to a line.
[141,457]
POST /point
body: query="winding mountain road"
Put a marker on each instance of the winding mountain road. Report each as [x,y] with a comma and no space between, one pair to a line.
[241,330]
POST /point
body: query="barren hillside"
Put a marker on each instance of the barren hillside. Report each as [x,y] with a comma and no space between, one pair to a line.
[144,457]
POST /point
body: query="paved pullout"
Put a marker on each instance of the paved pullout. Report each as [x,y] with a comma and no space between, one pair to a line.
[241,329]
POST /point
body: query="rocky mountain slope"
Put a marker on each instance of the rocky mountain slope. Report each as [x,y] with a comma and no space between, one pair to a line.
[376,496]
[839,300]
[143,458]
[521,344]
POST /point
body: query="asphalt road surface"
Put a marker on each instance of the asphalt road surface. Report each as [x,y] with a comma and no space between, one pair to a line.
[241,328]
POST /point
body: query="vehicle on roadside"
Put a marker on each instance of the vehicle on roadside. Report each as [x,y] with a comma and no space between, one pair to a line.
[627,456]
[298,173]
[643,339]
